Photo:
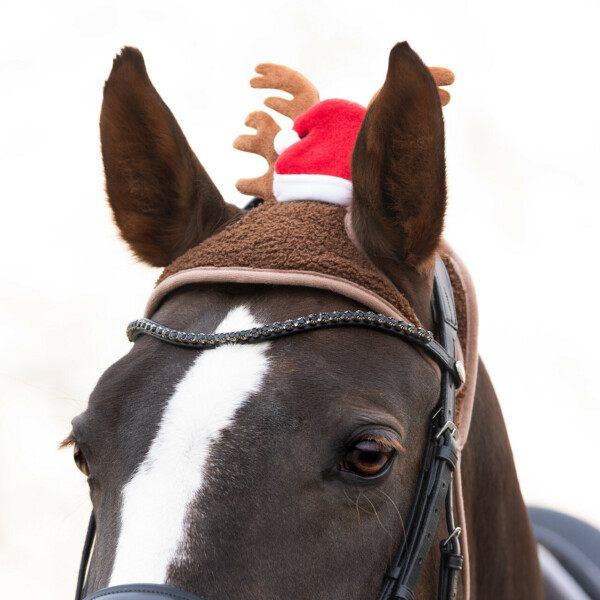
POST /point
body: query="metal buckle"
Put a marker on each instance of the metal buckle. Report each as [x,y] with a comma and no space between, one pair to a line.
[448,426]
[457,531]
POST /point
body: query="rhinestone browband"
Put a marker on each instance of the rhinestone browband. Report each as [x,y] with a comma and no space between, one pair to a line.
[312,321]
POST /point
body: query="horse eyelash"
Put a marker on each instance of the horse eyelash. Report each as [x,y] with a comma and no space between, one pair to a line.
[67,442]
[386,442]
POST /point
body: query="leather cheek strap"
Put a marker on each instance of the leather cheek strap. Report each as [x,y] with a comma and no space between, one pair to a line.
[143,591]
[434,488]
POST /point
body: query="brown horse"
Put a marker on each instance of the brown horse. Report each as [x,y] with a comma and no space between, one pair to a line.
[285,469]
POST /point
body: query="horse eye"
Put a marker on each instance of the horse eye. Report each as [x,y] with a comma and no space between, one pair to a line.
[367,458]
[80,461]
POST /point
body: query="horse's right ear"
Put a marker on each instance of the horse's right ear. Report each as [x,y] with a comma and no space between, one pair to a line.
[162,198]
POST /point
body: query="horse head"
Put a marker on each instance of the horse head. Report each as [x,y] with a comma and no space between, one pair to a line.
[287,467]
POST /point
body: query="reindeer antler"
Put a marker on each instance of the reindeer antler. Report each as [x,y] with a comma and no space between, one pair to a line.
[441,77]
[277,77]
[304,94]
[260,143]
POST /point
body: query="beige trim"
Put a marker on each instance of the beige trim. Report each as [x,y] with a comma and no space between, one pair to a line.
[459,504]
[470,358]
[470,354]
[275,277]
[348,226]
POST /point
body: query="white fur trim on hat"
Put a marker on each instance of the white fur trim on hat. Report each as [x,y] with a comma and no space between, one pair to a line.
[284,139]
[324,188]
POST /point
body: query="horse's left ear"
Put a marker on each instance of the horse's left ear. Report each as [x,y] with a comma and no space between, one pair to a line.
[162,198]
[398,168]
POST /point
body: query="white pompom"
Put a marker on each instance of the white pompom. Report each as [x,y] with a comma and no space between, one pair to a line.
[284,139]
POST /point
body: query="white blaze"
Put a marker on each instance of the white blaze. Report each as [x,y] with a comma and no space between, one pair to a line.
[156,499]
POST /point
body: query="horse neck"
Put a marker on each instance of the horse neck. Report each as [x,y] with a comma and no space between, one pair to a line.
[502,549]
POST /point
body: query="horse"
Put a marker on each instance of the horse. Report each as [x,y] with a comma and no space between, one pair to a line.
[289,466]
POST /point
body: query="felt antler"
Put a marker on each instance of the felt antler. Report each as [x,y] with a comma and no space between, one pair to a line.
[260,143]
[442,77]
[277,77]
[304,94]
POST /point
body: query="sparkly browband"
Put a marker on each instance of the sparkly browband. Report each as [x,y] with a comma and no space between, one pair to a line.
[358,317]
[415,335]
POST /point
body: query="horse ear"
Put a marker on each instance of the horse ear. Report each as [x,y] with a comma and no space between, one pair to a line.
[162,198]
[398,168]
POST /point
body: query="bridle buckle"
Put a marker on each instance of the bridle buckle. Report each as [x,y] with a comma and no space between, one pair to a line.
[449,426]
[457,531]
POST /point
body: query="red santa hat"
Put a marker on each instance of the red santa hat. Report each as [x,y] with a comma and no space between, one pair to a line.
[315,156]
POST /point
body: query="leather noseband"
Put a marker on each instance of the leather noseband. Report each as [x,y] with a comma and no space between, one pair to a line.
[147,591]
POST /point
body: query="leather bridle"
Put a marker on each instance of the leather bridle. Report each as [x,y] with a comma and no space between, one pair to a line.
[434,488]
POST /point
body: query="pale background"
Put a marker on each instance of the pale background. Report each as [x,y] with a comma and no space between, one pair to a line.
[522,146]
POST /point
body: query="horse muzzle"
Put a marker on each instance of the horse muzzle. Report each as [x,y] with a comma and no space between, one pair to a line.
[142,591]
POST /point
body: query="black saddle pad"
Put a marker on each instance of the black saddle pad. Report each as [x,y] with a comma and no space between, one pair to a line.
[574,543]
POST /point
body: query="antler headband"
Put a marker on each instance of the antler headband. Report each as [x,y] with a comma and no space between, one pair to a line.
[305,95]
